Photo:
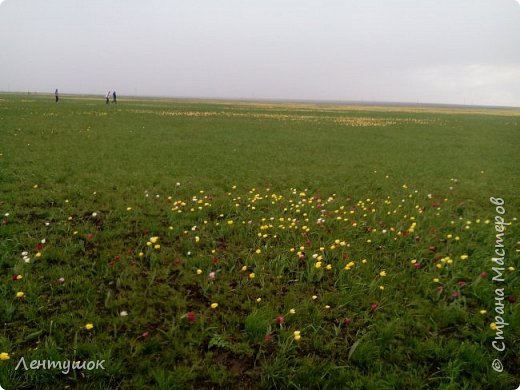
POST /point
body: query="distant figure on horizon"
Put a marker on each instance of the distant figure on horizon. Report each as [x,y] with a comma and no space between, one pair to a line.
[114,97]
[56,95]
[108,97]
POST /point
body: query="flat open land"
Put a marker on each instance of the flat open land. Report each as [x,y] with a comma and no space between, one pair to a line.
[235,245]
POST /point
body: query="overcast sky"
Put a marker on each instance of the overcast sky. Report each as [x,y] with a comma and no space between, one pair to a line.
[436,51]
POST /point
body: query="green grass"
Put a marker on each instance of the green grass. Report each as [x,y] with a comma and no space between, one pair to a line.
[97,182]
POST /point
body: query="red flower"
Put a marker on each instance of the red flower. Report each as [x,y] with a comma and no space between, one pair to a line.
[191,316]
[39,247]
[177,262]
[483,275]
[417,265]
[374,307]
[146,231]
[455,294]
[461,283]
[268,338]
[215,260]
[512,298]
[280,320]
[90,236]
[14,276]
[347,321]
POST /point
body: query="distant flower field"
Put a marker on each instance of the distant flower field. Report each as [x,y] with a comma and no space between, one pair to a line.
[209,245]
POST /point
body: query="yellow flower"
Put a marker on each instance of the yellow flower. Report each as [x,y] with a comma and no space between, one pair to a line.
[381,288]
[329,266]
[258,251]
[327,307]
[436,280]
[464,257]
[318,264]
[141,254]
[154,240]
[89,326]
[20,294]
[292,311]
[252,275]
[483,311]
[314,297]
[4,356]
[128,209]
[493,326]
[230,222]
[511,269]
[214,305]
[157,246]
[244,268]
[38,254]
[199,271]
[19,277]
[382,273]
[297,335]
[258,300]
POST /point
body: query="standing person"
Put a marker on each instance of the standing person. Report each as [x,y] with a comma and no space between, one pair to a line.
[108,97]
[114,97]
[56,95]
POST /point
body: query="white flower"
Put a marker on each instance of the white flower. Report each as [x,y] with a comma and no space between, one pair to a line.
[123,313]
[94,214]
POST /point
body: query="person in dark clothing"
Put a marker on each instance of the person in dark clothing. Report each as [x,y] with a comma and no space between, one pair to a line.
[114,97]
[56,95]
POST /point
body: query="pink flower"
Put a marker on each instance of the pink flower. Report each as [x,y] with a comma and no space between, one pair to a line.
[455,294]
[212,276]
[280,320]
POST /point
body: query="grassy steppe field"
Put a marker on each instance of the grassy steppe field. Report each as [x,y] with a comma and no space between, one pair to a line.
[194,244]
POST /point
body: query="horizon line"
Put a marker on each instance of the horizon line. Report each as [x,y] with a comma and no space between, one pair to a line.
[274,100]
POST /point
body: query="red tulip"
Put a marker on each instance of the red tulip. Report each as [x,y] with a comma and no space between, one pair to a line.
[280,320]
[191,316]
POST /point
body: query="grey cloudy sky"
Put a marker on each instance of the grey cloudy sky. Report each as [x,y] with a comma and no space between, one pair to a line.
[437,51]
